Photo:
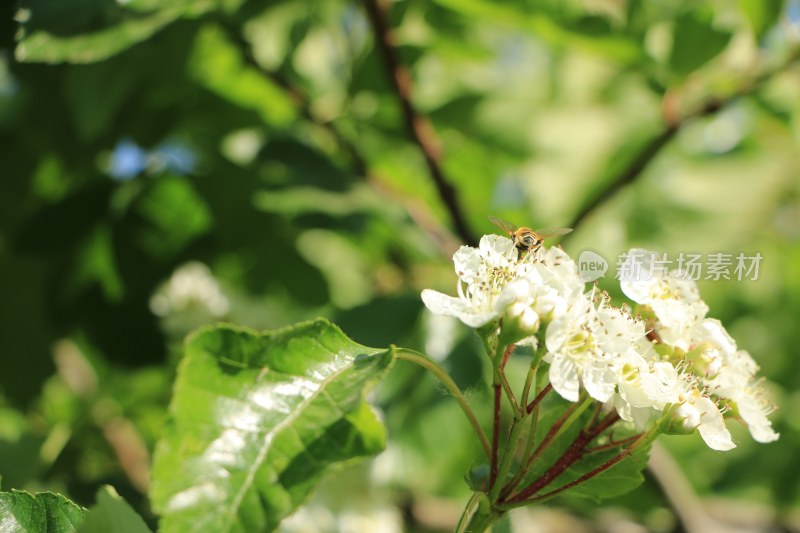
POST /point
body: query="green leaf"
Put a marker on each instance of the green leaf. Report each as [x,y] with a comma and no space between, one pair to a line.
[762,14]
[218,65]
[614,46]
[695,42]
[619,479]
[49,39]
[45,512]
[258,419]
[169,215]
[112,514]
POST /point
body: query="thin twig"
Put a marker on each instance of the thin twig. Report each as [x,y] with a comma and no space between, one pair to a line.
[419,126]
[574,453]
[624,453]
[674,122]
[495,435]
[539,397]
[417,358]
[417,210]
[631,172]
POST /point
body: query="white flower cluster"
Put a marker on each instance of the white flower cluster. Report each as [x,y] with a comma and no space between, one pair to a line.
[675,367]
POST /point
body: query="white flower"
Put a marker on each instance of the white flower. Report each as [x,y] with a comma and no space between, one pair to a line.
[192,288]
[488,282]
[554,280]
[492,278]
[700,412]
[645,385]
[732,377]
[674,300]
[584,346]
[753,408]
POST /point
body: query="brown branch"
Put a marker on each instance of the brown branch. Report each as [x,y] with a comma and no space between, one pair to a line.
[674,122]
[419,126]
[625,452]
[572,455]
[495,435]
[628,175]
[417,210]
[298,96]
[539,397]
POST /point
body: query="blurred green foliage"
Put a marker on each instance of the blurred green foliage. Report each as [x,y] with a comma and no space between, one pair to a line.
[255,152]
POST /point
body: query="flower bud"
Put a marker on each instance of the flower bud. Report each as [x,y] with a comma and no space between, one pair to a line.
[520,322]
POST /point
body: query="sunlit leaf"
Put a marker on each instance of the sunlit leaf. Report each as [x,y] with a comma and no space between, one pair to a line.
[546,28]
[258,419]
[43,512]
[219,66]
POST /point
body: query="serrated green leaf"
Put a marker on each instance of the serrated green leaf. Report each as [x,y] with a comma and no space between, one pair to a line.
[258,419]
[695,41]
[619,479]
[45,512]
[112,514]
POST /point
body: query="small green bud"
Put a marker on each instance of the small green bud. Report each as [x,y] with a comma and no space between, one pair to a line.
[520,321]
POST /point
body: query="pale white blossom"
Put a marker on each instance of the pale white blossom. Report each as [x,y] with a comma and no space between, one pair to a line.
[485,288]
[675,300]
[492,277]
[698,411]
[191,288]
[584,346]
[686,374]
[734,378]
[553,281]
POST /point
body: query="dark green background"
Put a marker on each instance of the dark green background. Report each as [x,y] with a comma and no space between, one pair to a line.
[305,196]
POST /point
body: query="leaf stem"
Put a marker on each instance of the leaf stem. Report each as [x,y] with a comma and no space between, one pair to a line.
[417,358]
[469,511]
[561,425]
[624,453]
[508,454]
[529,380]
[501,377]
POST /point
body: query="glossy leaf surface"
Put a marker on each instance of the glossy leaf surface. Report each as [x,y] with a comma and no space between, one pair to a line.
[39,513]
[257,419]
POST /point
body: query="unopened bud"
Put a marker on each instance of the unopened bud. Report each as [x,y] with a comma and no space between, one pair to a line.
[520,321]
[682,420]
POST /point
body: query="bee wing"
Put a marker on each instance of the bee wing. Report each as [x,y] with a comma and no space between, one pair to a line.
[544,233]
[504,225]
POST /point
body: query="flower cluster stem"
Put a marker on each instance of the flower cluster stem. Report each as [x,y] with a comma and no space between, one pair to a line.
[419,359]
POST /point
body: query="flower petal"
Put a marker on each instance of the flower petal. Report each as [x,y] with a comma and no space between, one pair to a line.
[564,377]
[442,304]
[599,380]
[712,425]
[752,413]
